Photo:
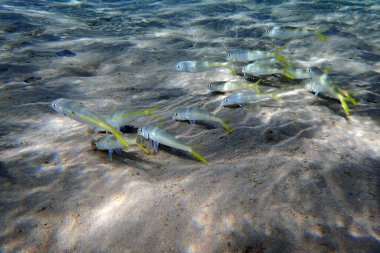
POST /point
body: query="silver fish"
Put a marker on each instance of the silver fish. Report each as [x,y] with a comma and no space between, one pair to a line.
[195,114]
[160,136]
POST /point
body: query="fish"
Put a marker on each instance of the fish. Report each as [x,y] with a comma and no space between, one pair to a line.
[223,86]
[297,72]
[195,114]
[260,70]
[160,136]
[321,82]
[85,115]
[121,118]
[247,97]
[289,32]
[201,66]
[253,55]
[111,143]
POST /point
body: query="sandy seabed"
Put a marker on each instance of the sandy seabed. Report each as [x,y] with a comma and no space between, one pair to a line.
[296,176]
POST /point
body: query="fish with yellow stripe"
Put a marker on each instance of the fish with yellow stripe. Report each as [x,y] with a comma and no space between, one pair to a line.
[196,114]
[321,82]
[87,116]
[290,32]
[160,136]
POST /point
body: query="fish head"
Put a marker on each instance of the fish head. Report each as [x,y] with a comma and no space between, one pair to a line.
[315,72]
[182,114]
[229,101]
[185,66]
[58,104]
[143,132]
[271,32]
[231,57]
[215,86]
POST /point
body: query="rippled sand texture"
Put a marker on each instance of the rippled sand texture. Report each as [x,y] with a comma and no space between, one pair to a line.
[294,177]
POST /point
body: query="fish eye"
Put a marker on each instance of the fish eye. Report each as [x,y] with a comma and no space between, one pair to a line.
[178,67]
[226,100]
[209,85]
[229,55]
[309,69]
[267,31]
[54,105]
[176,114]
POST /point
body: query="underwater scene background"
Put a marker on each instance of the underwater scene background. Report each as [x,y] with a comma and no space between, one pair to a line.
[295,176]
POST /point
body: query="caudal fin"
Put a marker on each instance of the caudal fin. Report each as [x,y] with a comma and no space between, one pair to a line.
[321,36]
[104,125]
[198,156]
[232,70]
[255,86]
[287,74]
[229,129]
[274,96]
[320,30]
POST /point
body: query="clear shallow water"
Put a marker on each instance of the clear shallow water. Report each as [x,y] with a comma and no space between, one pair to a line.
[294,176]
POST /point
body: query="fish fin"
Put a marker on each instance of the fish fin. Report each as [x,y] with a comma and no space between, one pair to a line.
[232,70]
[326,70]
[274,96]
[229,129]
[198,156]
[148,111]
[110,152]
[323,28]
[287,74]
[146,151]
[281,58]
[343,100]
[155,146]
[193,122]
[106,126]
[280,49]
[255,86]
[321,36]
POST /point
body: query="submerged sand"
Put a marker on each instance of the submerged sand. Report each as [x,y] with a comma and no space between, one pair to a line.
[296,176]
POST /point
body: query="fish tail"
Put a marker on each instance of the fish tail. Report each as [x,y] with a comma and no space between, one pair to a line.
[256,86]
[281,58]
[287,74]
[321,36]
[198,156]
[344,104]
[274,96]
[223,122]
[320,30]
[106,126]
[232,70]
[146,151]
[148,111]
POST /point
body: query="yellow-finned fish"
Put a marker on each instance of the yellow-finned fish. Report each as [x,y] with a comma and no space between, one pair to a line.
[195,114]
[160,136]
[254,55]
[201,66]
[239,99]
[289,32]
[111,143]
[261,70]
[227,86]
[85,115]
[121,118]
[321,82]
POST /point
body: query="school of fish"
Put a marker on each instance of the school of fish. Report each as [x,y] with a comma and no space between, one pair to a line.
[257,64]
